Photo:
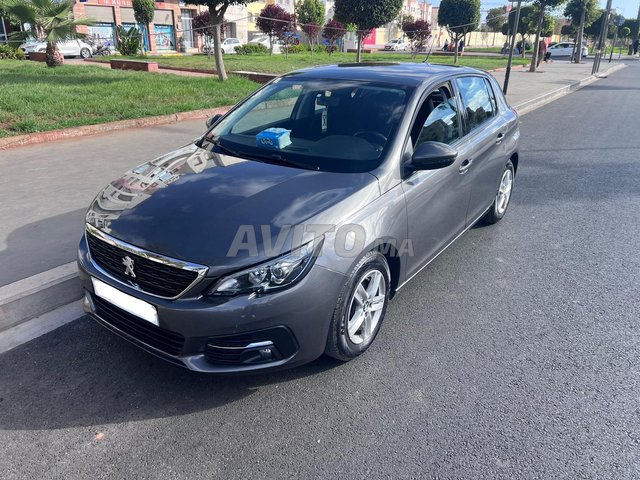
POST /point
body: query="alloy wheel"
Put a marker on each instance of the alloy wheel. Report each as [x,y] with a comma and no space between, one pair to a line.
[504,192]
[366,307]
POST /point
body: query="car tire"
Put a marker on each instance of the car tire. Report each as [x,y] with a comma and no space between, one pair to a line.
[85,52]
[503,196]
[345,343]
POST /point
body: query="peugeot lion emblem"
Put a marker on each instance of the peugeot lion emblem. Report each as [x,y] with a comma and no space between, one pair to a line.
[128,262]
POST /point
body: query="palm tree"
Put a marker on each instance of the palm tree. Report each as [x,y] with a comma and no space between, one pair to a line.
[51,21]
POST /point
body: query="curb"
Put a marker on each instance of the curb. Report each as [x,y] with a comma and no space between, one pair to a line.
[36,295]
[530,105]
[100,128]
[39,304]
[38,326]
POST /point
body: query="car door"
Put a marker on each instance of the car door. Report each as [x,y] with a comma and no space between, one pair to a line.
[70,48]
[437,200]
[485,130]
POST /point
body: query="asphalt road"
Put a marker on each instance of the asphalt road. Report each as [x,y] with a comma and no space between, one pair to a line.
[514,355]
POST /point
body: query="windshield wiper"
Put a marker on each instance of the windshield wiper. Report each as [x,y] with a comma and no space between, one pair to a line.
[215,141]
[275,158]
[272,158]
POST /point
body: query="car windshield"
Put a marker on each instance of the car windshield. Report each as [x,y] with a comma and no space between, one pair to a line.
[329,125]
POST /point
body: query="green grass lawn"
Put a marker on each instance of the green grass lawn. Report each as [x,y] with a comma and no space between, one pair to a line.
[280,64]
[34,98]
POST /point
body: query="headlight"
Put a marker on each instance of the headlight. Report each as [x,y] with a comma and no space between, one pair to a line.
[276,274]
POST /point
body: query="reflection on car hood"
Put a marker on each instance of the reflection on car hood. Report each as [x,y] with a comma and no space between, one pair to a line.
[190,204]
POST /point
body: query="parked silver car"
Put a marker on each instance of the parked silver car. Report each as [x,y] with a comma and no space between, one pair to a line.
[283,232]
[68,48]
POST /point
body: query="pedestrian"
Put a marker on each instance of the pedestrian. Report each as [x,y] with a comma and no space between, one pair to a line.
[461,46]
[636,43]
[542,52]
[446,46]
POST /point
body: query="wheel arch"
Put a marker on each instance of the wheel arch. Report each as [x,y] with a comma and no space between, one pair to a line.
[390,253]
[514,159]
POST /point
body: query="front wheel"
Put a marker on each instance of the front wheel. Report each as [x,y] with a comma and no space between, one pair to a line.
[502,198]
[360,309]
[85,52]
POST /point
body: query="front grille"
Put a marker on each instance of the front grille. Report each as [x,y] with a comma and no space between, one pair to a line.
[160,338]
[152,277]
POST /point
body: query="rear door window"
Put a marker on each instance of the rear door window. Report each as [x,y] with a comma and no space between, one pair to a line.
[476,101]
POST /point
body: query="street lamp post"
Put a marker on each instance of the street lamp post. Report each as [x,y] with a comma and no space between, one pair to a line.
[4,31]
[603,35]
[507,73]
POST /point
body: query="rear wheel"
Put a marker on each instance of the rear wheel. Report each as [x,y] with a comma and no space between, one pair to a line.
[503,197]
[360,309]
[85,52]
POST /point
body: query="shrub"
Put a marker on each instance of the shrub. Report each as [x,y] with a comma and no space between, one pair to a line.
[303,47]
[252,49]
[8,52]
[129,41]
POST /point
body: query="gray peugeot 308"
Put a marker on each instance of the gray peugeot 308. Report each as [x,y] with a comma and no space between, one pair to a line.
[282,233]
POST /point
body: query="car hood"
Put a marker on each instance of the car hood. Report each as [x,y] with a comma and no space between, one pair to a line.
[192,204]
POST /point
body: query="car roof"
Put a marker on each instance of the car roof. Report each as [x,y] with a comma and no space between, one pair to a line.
[401,74]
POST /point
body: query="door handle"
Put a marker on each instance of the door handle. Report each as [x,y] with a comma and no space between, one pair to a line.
[464,167]
[500,138]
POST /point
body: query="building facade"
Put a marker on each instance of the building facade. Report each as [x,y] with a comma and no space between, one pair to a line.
[171,29]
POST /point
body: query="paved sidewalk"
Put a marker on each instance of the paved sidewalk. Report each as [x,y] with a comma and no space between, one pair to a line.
[45,189]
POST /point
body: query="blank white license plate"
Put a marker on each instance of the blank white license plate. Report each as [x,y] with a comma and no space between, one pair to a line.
[126,302]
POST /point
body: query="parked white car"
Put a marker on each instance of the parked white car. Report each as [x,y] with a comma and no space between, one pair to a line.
[264,40]
[68,48]
[565,49]
[397,45]
[230,44]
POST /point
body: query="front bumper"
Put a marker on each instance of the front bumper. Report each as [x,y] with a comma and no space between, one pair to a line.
[295,321]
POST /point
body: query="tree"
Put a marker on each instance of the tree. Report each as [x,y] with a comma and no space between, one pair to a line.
[625,33]
[593,30]
[310,14]
[203,25]
[51,21]
[217,10]
[274,21]
[541,7]
[332,32]
[143,11]
[418,33]
[495,19]
[459,17]
[366,15]
[582,14]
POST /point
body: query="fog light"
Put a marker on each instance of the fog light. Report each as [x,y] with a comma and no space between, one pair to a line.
[266,353]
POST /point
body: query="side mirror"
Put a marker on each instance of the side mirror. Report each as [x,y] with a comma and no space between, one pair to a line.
[213,120]
[432,156]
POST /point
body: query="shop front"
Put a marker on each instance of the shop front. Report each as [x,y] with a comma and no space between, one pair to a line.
[171,29]
[164,35]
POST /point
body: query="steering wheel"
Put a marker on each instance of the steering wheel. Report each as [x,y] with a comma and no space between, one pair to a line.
[375,138]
